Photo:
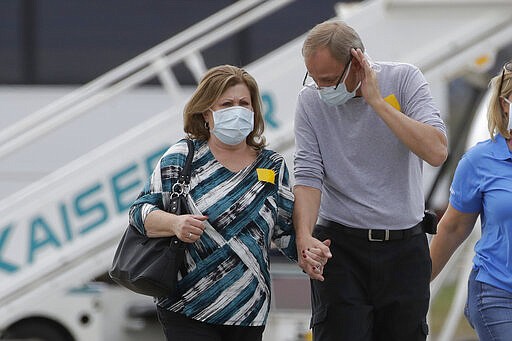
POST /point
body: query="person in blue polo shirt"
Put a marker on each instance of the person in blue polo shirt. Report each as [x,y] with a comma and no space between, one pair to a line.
[482,186]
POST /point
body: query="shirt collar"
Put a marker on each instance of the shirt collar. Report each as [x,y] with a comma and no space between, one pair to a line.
[501,151]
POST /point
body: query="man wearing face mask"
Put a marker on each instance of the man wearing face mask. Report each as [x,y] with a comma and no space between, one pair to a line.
[362,133]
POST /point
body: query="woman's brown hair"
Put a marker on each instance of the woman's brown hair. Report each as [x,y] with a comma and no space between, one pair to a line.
[213,84]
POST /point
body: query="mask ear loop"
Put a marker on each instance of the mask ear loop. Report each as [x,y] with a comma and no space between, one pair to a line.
[347,72]
[509,125]
[345,78]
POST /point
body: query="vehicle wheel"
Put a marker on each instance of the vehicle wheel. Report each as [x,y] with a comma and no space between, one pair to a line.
[44,330]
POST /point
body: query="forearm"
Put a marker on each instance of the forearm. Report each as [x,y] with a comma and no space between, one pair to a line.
[305,212]
[442,247]
[313,254]
[426,141]
[453,229]
[159,224]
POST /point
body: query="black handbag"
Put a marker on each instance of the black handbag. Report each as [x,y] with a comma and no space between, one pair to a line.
[150,266]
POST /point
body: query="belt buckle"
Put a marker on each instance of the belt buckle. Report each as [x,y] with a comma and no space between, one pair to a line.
[370,237]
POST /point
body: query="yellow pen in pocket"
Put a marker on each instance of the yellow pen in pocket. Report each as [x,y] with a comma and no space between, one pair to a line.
[391,99]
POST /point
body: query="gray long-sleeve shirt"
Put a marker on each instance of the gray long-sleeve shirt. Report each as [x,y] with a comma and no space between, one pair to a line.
[368,177]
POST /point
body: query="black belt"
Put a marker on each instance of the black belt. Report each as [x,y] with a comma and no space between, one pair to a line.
[372,234]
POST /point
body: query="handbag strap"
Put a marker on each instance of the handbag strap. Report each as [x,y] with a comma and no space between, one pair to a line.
[186,171]
[180,187]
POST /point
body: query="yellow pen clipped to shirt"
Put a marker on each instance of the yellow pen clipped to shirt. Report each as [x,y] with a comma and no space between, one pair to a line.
[266,175]
[391,99]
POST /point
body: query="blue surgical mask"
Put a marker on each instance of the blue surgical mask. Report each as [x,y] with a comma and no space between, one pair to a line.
[232,125]
[340,95]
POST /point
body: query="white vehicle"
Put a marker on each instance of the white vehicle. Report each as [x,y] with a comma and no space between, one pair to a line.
[59,233]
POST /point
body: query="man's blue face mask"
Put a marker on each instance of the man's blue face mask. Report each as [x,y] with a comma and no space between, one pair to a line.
[333,95]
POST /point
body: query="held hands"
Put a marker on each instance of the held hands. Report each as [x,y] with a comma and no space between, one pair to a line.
[189,228]
[313,255]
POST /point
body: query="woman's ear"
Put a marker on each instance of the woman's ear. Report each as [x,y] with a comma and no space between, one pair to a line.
[206,115]
[208,119]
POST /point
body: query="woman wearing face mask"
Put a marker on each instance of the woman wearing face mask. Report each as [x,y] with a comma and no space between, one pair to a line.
[241,201]
[482,186]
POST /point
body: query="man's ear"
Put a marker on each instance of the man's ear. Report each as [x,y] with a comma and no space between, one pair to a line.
[356,64]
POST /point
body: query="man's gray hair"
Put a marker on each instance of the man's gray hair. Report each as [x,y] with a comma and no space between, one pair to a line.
[337,36]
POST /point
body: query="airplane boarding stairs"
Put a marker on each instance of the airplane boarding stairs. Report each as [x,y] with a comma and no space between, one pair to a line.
[61,231]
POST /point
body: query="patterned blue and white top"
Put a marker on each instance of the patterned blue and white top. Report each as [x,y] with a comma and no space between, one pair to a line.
[227,277]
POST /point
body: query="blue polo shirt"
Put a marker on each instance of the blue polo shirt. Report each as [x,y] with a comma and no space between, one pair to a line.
[483,183]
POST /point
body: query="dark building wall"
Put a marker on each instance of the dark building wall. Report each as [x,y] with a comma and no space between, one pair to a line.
[73,42]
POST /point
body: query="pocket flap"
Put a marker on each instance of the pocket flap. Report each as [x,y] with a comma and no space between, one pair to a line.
[424,327]
[319,316]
